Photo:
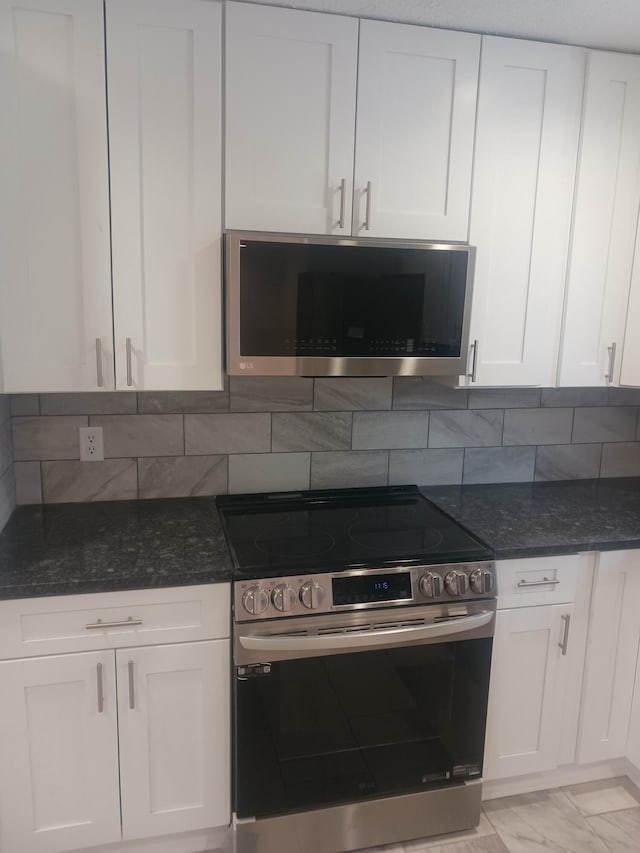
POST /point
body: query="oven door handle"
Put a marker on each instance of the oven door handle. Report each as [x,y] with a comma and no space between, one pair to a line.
[354,640]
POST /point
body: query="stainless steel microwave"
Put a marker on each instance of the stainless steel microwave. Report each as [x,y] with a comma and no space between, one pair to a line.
[325,306]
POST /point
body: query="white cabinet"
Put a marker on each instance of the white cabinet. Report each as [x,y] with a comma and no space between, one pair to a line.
[164,75]
[55,276]
[630,362]
[528,124]
[605,219]
[162,155]
[131,741]
[537,664]
[290,115]
[612,657]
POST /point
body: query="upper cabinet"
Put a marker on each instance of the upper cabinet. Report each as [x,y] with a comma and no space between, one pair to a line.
[158,156]
[55,276]
[605,219]
[527,133]
[292,162]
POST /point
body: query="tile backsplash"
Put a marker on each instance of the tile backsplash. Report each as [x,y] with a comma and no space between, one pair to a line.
[298,433]
[7,490]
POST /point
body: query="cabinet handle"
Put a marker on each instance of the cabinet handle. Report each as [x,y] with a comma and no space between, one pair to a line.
[367,210]
[99,362]
[566,617]
[545,582]
[122,624]
[612,360]
[474,360]
[129,371]
[100,688]
[343,201]
[132,693]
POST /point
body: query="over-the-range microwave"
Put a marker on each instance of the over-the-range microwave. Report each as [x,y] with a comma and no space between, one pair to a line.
[324,306]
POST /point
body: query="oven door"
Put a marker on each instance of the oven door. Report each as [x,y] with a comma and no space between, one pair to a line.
[349,707]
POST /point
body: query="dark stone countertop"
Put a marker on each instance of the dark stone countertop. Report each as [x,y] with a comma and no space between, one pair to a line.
[62,549]
[537,519]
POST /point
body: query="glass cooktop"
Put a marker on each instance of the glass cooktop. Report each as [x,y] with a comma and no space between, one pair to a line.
[301,532]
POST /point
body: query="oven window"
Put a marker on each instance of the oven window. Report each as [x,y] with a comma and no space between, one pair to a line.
[334,729]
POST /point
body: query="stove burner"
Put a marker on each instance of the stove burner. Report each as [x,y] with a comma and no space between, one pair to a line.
[395,541]
[304,546]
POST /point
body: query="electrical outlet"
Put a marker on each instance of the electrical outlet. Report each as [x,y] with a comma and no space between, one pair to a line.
[91,444]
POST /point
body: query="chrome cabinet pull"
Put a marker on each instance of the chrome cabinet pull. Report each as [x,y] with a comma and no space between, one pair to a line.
[367,214]
[100,688]
[545,582]
[122,624]
[612,360]
[99,362]
[566,617]
[129,371]
[343,201]
[132,694]
[474,360]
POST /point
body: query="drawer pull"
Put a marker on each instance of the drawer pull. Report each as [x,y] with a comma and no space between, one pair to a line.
[545,582]
[123,624]
[566,617]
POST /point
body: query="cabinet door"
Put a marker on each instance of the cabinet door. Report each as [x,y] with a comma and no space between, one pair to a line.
[55,298]
[165,89]
[524,168]
[528,674]
[612,657]
[605,218]
[630,364]
[414,131]
[174,737]
[290,107]
[58,740]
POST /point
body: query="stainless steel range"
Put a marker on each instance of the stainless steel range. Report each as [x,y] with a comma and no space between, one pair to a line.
[363,624]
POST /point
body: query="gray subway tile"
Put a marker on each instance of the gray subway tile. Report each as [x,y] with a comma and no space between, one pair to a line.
[231,433]
[504,398]
[25,405]
[311,431]
[568,461]
[182,402]
[416,392]
[620,460]
[111,480]
[353,394]
[6,446]
[386,430]
[425,467]
[89,403]
[624,396]
[182,476]
[7,496]
[5,408]
[268,472]
[270,394]
[349,468]
[28,483]
[473,428]
[47,437]
[604,424]
[537,426]
[572,397]
[141,435]
[499,464]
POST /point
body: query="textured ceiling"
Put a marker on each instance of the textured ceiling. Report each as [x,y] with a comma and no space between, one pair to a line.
[609,24]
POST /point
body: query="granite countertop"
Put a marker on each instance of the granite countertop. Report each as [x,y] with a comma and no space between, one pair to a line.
[538,519]
[97,547]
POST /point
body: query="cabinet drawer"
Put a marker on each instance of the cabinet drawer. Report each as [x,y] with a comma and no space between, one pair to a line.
[70,623]
[538,580]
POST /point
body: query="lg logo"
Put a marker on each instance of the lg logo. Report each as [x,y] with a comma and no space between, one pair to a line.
[246,365]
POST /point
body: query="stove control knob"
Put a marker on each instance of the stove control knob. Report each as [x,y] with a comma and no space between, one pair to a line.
[431,585]
[457,582]
[255,600]
[311,595]
[481,580]
[284,597]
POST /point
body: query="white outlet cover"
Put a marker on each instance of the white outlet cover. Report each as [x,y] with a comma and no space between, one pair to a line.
[91,444]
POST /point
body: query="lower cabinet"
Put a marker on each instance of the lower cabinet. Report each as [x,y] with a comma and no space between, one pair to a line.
[117,744]
[537,664]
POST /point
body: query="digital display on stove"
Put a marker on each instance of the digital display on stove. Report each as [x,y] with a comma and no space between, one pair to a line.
[369,589]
